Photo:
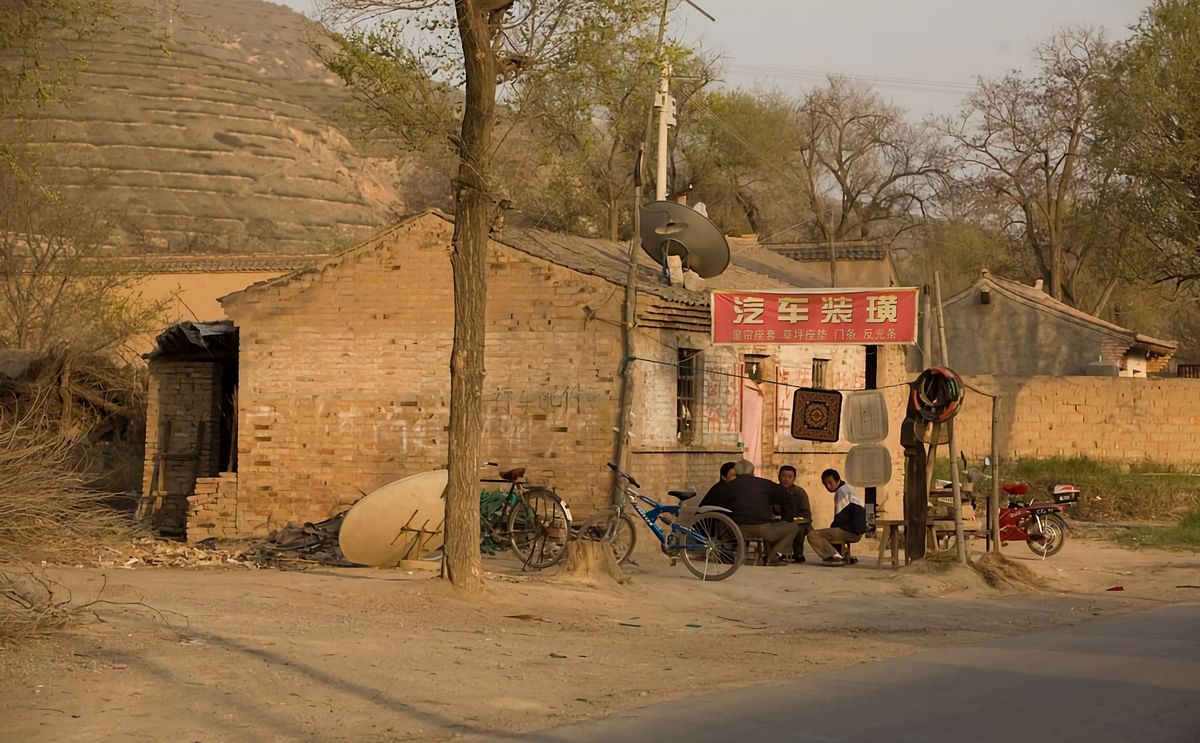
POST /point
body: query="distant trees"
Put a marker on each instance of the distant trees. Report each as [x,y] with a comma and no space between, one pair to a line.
[839,163]
[1023,155]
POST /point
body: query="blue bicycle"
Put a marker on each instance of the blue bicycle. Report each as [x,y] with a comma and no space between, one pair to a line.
[709,541]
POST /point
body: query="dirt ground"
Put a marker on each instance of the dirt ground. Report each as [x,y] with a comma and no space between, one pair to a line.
[242,654]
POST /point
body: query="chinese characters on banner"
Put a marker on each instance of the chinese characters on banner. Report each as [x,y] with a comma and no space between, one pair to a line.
[857,316]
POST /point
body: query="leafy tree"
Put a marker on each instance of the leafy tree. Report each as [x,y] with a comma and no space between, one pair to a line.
[587,120]
[484,46]
[1149,130]
[740,150]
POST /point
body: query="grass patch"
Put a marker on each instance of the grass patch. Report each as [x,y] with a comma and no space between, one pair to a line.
[1111,491]
[1184,535]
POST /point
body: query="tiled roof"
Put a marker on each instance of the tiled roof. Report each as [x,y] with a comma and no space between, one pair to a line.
[218,263]
[843,251]
[752,266]
[1034,296]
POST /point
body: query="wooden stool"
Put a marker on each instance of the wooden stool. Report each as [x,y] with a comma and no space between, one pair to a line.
[756,551]
[843,549]
[890,539]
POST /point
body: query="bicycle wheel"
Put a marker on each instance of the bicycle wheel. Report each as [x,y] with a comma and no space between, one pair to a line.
[538,528]
[714,548]
[624,538]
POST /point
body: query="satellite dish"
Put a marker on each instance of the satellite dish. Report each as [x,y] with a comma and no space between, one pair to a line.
[669,228]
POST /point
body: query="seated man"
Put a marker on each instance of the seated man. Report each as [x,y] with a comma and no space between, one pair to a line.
[718,494]
[800,512]
[849,520]
[751,499]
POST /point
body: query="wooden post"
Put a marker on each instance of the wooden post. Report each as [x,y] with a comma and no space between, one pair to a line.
[926,330]
[955,481]
[994,497]
[629,313]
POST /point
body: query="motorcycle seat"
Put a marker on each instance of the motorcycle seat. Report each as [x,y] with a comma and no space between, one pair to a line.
[513,475]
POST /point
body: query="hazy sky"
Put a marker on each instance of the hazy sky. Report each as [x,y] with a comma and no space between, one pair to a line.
[920,53]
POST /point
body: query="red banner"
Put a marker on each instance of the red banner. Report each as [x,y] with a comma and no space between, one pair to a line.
[854,317]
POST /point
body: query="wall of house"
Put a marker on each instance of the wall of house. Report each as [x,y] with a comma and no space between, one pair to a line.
[1108,418]
[1014,339]
[661,463]
[182,397]
[345,376]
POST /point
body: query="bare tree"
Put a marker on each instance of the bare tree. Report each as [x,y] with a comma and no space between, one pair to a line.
[1022,145]
[864,164]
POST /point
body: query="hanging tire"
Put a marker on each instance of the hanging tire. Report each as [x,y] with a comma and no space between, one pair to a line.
[1054,535]
[714,547]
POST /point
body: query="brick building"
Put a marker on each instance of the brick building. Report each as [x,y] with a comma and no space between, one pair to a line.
[999,326]
[342,377]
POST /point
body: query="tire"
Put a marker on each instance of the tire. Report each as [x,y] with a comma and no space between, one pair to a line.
[538,528]
[723,548]
[1054,534]
[624,539]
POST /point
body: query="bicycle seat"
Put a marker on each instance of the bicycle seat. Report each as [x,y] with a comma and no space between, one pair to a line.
[681,494]
[513,475]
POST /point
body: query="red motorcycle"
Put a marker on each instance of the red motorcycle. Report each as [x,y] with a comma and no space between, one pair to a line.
[1040,524]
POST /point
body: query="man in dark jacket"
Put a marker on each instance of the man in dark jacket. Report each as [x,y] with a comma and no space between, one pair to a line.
[849,519]
[800,512]
[718,494]
[753,500]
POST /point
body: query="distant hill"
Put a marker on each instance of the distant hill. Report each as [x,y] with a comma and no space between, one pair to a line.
[209,126]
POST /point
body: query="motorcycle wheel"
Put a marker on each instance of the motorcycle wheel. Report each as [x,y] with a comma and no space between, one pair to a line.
[1054,534]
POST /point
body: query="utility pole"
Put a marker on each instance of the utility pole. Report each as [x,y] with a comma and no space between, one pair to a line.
[666,119]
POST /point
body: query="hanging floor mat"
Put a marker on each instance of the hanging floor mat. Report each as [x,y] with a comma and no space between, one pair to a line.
[817,415]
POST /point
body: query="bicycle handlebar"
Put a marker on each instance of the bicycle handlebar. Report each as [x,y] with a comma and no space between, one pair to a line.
[626,475]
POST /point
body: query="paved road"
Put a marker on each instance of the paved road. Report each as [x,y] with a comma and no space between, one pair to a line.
[1129,678]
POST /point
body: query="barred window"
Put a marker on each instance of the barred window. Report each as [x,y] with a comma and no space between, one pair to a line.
[687,394]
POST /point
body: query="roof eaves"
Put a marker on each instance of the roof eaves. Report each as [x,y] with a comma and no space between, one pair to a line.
[330,261]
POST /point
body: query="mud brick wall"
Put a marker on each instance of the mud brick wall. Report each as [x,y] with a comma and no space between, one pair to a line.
[212,508]
[345,376]
[1116,419]
[181,394]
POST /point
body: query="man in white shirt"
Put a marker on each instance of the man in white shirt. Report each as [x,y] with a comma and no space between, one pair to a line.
[849,520]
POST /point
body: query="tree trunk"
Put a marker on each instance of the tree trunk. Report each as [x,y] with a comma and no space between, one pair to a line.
[472,217]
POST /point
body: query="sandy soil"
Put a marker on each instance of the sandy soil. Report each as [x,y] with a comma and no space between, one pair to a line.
[369,655]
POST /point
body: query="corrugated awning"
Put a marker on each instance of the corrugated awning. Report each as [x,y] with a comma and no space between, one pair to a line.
[196,339]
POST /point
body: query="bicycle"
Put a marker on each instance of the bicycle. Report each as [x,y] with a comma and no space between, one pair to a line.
[531,519]
[709,541]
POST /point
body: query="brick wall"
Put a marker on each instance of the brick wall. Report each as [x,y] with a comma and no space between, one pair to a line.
[345,376]
[212,508]
[1119,419]
[182,395]
[344,382]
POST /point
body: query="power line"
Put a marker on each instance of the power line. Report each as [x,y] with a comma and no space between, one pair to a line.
[883,81]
